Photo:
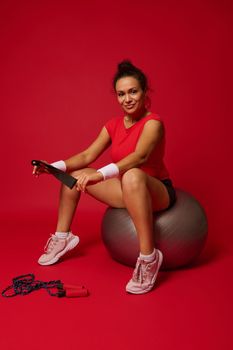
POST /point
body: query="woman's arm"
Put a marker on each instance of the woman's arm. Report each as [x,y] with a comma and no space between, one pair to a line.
[88,156]
[151,135]
[82,159]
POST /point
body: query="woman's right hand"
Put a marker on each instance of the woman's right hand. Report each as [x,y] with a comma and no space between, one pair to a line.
[38,170]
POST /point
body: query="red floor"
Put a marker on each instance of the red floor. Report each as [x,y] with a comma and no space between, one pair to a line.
[190,308]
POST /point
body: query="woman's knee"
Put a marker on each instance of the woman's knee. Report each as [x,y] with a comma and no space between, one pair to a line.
[133,179]
[73,193]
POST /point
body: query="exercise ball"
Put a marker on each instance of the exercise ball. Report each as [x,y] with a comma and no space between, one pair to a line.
[180,233]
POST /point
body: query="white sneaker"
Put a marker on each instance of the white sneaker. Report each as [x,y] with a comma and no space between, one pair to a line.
[57,247]
[144,275]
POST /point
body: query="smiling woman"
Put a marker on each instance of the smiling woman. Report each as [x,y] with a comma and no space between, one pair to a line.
[132,99]
[137,179]
[131,87]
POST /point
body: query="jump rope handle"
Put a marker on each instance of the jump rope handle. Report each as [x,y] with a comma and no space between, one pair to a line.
[71,291]
[65,178]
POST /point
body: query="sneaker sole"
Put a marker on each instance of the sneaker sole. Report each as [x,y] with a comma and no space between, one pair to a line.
[143,291]
[71,245]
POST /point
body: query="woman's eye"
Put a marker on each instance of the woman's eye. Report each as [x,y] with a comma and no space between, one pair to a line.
[134,92]
[120,94]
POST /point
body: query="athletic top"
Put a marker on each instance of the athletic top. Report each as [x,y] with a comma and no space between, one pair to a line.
[124,141]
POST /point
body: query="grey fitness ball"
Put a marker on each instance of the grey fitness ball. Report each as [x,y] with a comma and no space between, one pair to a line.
[180,233]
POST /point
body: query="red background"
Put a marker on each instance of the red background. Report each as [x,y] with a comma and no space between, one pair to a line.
[57,61]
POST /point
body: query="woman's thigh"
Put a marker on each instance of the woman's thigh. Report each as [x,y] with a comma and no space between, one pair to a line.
[108,192]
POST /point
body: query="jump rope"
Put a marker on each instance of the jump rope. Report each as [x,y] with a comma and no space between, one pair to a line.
[25,284]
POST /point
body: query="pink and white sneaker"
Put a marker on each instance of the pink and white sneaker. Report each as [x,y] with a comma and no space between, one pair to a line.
[144,275]
[56,247]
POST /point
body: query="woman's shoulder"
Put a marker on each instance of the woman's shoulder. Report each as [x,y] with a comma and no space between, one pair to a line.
[153,116]
[112,124]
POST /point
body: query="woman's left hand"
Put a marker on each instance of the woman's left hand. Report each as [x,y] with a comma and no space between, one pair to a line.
[84,179]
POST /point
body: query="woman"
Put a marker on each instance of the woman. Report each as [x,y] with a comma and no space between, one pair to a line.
[137,179]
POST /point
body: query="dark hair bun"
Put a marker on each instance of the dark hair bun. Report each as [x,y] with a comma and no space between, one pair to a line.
[126,66]
[126,69]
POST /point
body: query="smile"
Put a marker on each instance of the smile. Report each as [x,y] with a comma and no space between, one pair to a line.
[129,106]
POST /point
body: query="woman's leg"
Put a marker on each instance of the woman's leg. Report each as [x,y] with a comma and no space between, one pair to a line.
[63,240]
[108,192]
[142,195]
[68,201]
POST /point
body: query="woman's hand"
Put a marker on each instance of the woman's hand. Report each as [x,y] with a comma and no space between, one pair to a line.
[85,179]
[38,170]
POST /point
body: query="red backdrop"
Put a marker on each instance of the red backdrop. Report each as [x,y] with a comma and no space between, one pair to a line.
[57,62]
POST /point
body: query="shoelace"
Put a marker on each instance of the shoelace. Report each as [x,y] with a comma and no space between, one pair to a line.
[141,271]
[52,241]
[138,275]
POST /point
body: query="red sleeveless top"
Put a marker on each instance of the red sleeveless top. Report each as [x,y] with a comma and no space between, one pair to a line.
[124,141]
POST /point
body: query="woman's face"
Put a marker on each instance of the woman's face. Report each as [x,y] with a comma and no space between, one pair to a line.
[130,95]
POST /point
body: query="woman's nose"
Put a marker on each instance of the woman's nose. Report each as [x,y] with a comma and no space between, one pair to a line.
[127,98]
